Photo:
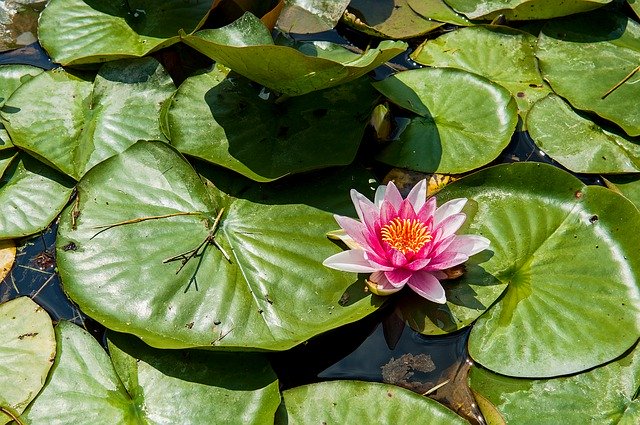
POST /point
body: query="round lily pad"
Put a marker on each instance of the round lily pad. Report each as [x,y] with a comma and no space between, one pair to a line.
[627,185]
[522,9]
[464,121]
[608,394]
[11,77]
[346,402]
[586,57]
[88,121]
[76,32]
[500,54]
[246,47]
[148,249]
[141,385]
[27,349]
[223,119]
[31,195]
[569,259]
[580,144]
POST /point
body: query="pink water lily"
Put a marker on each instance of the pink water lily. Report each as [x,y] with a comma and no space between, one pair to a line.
[404,241]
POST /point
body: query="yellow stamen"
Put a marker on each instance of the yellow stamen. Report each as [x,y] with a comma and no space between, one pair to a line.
[405,235]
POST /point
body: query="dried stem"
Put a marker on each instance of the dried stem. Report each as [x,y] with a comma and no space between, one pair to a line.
[15,418]
[624,80]
[434,389]
[141,219]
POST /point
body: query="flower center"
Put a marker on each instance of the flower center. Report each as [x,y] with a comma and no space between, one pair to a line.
[405,235]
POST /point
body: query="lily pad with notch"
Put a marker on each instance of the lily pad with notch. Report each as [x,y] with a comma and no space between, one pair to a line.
[558,245]
[181,264]
[76,32]
[11,77]
[223,119]
[518,10]
[140,384]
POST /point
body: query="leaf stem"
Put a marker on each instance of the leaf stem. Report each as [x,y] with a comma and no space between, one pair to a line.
[15,418]
[140,219]
[624,80]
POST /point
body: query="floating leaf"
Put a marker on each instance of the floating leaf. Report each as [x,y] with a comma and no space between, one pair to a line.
[578,143]
[76,32]
[305,17]
[635,6]
[7,257]
[608,394]
[388,19]
[522,9]
[560,246]
[437,10]
[19,23]
[85,122]
[11,77]
[628,185]
[586,56]
[465,121]
[271,293]
[142,385]
[27,349]
[223,119]
[501,54]
[31,195]
[6,157]
[246,47]
[346,402]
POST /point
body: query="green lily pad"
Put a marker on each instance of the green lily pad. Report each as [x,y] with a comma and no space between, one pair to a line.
[349,402]
[438,10]
[6,157]
[560,246]
[222,119]
[27,350]
[88,121]
[522,9]
[388,19]
[11,77]
[608,394]
[305,17]
[76,32]
[272,292]
[635,6]
[142,385]
[501,54]
[31,195]
[628,185]
[586,56]
[246,47]
[464,120]
[580,144]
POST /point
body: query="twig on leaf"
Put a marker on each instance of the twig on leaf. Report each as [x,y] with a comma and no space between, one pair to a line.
[624,80]
[140,219]
[15,418]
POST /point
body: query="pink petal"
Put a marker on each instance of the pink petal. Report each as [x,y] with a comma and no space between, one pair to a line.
[451,207]
[418,264]
[397,258]
[428,286]
[367,211]
[469,244]
[442,245]
[406,210]
[451,224]
[354,228]
[418,195]
[446,260]
[353,260]
[427,210]
[380,285]
[387,212]
[398,277]
[392,194]
[379,196]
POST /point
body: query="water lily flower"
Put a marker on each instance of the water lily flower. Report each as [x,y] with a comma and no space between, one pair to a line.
[404,241]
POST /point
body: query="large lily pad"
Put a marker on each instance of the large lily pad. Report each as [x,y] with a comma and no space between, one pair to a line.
[501,54]
[142,385]
[11,77]
[608,394]
[222,119]
[31,195]
[347,402]
[271,293]
[560,246]
[523,9]
[464,120]
[388,19]
[92,31]
[580,144]
[628,185]
[438,10]
[84,122]
[27,349]
[246,47]
[586,56]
